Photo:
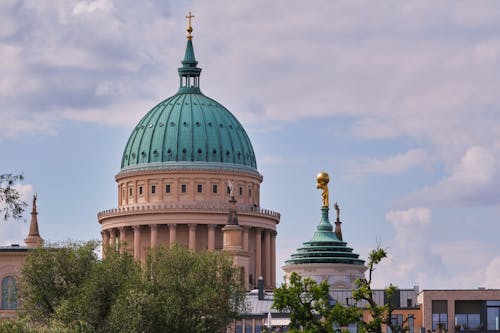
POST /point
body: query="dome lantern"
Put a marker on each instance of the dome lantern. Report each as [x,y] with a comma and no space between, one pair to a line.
[189,73]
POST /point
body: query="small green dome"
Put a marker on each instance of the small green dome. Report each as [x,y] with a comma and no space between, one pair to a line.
[325,247]
[189,129]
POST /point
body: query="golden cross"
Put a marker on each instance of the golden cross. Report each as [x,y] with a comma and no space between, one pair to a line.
[189,29]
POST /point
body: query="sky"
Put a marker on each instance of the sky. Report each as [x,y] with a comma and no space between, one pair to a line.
[397,100]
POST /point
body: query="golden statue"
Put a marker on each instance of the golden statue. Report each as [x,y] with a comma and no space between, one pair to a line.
[322,180]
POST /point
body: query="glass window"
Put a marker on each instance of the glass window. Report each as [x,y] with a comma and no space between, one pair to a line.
[492,318]
[153,189]
[183,188]
[411,324]
[468,321]
[200,188]
[130,191]
[9,293]
[239,328]
[258,328]
[167,188]
[140,190]
[439,318]
[248,326]
[396,320]
[241,191]
[249,192]
[214,188]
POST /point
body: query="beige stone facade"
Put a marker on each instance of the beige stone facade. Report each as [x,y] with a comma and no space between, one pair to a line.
[190,207]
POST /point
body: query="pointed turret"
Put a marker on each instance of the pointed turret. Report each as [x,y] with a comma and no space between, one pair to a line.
[33,239]
[189,73]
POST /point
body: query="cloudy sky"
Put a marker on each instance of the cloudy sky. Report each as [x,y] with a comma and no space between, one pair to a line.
[398,101]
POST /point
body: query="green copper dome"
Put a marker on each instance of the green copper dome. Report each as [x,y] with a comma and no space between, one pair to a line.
[189,130]
[325,247]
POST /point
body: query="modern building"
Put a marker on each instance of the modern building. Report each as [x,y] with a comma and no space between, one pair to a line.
[473,310]
[184,160]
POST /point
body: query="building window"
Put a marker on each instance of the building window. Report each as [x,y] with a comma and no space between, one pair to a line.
[140,190]
[130,192]
[411,324]
[468,321]
[153,189]
[439,319]
[167,188]
[409,303]
[214,188]
[249,192]
[396,320]
[241,191]
[123,193]
[183,188]
[9,293]
[493,315]
[199,188]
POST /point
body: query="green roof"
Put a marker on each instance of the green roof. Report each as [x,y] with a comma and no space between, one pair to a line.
[189,129]
[324,247]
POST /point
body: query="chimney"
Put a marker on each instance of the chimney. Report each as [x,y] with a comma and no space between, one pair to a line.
[260,286]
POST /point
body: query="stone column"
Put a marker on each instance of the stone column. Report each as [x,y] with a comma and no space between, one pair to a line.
[112,239]
[192,237]
[258,253]
[172,234]
[123,238]
[211,237]
[267,258]
[245,238]
[273,259]
[154,235]
[137,242]
[105,242]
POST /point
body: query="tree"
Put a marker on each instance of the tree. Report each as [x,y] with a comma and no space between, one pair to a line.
[380,314]
[310,309]
[182,291]
[68,289]
[11,204]
[310,306]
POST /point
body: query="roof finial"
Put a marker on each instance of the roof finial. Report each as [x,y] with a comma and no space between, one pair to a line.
[190,28]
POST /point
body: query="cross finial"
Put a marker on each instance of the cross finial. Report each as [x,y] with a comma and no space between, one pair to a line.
[190,28]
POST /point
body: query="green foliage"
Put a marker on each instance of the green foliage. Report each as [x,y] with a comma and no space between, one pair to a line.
[308,304]
[182,291]
[380,314]
[11,204]
[67,289]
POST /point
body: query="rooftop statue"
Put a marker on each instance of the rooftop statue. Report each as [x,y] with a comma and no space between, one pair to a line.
[322,180]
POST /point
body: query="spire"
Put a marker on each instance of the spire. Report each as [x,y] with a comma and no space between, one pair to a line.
[338,230]
[33,239]
[189,73]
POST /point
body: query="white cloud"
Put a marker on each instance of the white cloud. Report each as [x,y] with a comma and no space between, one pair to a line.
[392,165]
[85,7]
[411,258]
[492,274]
[472,181]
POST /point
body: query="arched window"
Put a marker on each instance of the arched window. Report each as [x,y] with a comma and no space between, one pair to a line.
[9,293]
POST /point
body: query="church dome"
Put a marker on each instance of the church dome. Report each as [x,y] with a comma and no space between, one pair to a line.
[189,130]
